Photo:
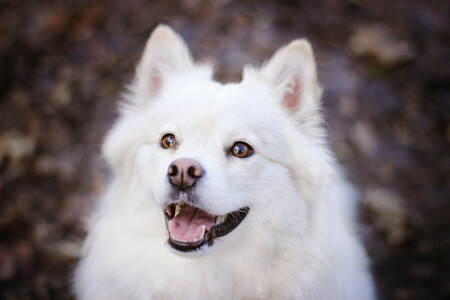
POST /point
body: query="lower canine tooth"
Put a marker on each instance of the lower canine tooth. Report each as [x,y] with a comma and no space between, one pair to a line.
[203,232]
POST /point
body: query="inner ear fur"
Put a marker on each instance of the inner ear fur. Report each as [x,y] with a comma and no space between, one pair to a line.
[292,71]
[165,53]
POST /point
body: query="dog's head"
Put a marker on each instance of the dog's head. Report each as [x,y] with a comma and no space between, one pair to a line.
[219,161]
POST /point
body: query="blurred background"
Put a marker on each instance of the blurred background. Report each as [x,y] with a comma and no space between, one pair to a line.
[384,65]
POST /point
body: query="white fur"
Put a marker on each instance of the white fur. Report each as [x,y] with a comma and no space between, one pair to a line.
[298,240]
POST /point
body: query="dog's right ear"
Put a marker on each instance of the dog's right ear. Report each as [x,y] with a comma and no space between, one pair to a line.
[164,54]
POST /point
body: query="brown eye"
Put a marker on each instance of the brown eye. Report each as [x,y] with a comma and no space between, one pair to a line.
[241,150]
[168,141]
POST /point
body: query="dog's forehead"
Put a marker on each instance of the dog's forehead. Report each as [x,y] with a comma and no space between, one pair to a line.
[205,107]
[192,98]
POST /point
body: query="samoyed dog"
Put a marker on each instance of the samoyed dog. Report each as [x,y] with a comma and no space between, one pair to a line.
[222,191]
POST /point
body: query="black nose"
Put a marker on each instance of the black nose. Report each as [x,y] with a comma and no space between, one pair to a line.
[184,173]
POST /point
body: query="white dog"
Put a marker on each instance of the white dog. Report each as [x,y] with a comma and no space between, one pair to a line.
[222,191]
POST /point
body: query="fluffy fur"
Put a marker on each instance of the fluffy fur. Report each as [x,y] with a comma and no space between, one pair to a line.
[298,240]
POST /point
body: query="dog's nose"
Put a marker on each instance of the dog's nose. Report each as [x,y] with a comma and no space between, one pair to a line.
[184,172]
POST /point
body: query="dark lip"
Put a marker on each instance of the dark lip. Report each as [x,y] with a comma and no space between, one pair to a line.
[232,221]
[186,247]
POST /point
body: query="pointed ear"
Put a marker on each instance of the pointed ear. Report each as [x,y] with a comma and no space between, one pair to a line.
[292,71]
[165,53]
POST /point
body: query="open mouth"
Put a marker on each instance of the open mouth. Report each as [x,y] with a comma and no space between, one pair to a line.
[191,227]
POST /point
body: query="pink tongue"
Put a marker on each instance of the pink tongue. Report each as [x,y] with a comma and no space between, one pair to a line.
[188,224]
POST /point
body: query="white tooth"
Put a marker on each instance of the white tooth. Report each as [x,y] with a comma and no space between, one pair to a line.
[220,219]
[203,232]
[177,210]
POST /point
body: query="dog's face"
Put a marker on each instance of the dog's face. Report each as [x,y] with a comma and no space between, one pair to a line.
[206,165]
[211,157]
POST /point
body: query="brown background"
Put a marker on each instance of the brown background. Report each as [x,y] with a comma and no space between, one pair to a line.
[385,69]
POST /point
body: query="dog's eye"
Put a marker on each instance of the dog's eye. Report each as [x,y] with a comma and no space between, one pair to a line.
[168,141]
[241,150]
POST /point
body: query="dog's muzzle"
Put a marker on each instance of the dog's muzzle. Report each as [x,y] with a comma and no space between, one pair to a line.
[189,226]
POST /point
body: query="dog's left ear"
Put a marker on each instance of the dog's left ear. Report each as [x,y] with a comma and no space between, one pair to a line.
[165,53]
[292,71]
